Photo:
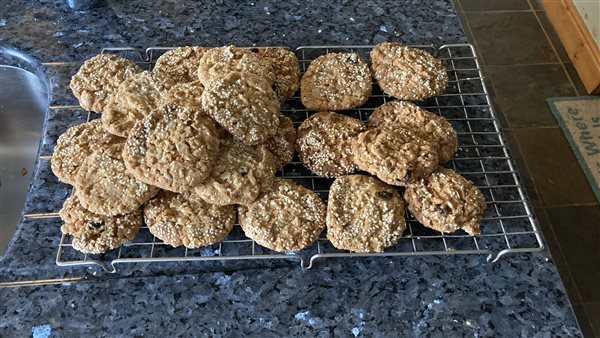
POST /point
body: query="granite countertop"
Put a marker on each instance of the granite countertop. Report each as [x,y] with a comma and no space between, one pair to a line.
[521,295]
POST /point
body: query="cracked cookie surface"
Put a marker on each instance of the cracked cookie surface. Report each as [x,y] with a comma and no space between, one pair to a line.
[180,63]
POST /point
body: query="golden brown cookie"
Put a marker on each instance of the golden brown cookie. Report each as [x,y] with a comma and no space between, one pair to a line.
[397,157]
[98,78]
[181,63]
[104,186]
[135,98]
[288,217]
[239,175]
[283,143]
[287,70]
[446,201]
[336,81]
[218,62]
[188,220]
[187,95]
[364,214]
[173,148]
[407,73]
[93,233]
[426,125]
[77,143]
[325,141]
[244,104]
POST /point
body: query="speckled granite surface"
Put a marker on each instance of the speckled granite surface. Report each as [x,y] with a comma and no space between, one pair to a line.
[429,296]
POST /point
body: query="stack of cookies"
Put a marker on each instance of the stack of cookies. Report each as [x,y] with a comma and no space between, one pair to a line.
[195,143]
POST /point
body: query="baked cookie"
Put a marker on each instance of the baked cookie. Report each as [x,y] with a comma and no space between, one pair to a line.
[218,62]
[283,143]
[288,217]
[364,214]
[135,98]
[446,201]
[407,73]
[187,95]
[186,219]
[426,125]
[98,78]
[397,157]
[325,141]
[181,63]
[93,233]
[244,104]
[173,148]
[77,143]
[336,81]
[287,70]
[104,186]
[239,175]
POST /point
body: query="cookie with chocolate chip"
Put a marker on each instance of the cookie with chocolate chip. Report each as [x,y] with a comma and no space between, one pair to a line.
[286,68]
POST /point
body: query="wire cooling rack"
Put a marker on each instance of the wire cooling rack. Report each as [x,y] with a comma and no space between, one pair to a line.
[508,224]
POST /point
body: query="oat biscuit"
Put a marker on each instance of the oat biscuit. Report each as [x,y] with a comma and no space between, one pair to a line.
[288,217]
[93,233]
[407,73]
[239,175]
[218,62]
[98,78]
[172,148]
[104,186]
[336,81]
[325,141]
[244,104]
[77,143]
[283,143]
[426,125]
[188,220]
[446,201]
[181,63]
[135,98]
[364,214]
[187,95]
[397,157]
[287,70]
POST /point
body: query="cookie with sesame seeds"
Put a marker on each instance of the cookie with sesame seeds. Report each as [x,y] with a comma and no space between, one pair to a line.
[218,62]
[325,141]
[98,78]
[180,63]
[425,124]
[172,148]
[336,81]
[104,185]
[397,157]
[188,220]
[364,214]
[446,201]
[188,95]
[244,104]
[283,143]
[77,143]
[287,217]
[287,70]
[135,98]
[240,174]
[407,73]
[93,233]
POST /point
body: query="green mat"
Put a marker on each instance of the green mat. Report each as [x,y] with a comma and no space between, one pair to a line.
[579,118]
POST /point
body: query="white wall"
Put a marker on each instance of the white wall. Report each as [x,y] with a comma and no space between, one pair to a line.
[590,12]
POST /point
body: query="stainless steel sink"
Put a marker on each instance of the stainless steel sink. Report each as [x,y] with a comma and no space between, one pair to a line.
[24,95]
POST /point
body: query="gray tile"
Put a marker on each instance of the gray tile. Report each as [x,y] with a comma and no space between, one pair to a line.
[558,46]
[537,5]
[555,171]
[578,232]
[583,319]
[593,311]
[522,169]
[494,5]
[575,78]
[506,38]
[521,91]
